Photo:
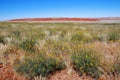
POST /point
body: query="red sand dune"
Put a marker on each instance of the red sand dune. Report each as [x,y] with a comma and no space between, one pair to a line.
[66,19]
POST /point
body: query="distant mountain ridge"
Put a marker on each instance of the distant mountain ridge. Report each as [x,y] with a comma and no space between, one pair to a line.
[65,19]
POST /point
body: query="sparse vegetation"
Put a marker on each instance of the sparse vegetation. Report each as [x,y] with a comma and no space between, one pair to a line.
[3,40]
[41,49]
[114,35]
[86,61]
[28,45]
[39,65]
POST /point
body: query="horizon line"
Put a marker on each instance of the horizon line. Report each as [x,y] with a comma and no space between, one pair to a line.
[63,17]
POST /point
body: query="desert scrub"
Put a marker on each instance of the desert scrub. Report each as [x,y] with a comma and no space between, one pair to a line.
[38,34]
[41,35]
[77,36]
[62,35]
[13,54]
[16,33]
[86,61]
[81,36]
[40,64]
[57,47]
[114,35]
[28,45]
[3,40]
[116,65]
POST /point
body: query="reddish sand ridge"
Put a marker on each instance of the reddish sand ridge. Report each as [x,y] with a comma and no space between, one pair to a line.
[55,19]
[66,19]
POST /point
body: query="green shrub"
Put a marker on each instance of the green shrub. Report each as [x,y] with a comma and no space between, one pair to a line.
[77,37]
[17,33]
[3,27]
[39,35]
[87,37]
[116,65]
[3,40]
[81,36]
[28,45]
[62,35]
[114,35]
[98,36]
[101,37]
[39,65]
[86,61]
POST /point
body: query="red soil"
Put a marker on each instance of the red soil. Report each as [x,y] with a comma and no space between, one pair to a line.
[56,19]
[63,75]
[8,73]
[66,19]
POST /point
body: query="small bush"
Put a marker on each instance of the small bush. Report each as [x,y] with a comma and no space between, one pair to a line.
[3,40]
[81,36]
[39,65]
[116,65]
[62,35]
[28,45]
[113,36]
[17,33]
[85,61]
[39,35]
[77,36]
[101,37]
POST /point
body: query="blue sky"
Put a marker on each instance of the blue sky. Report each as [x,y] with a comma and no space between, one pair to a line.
[10,9]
